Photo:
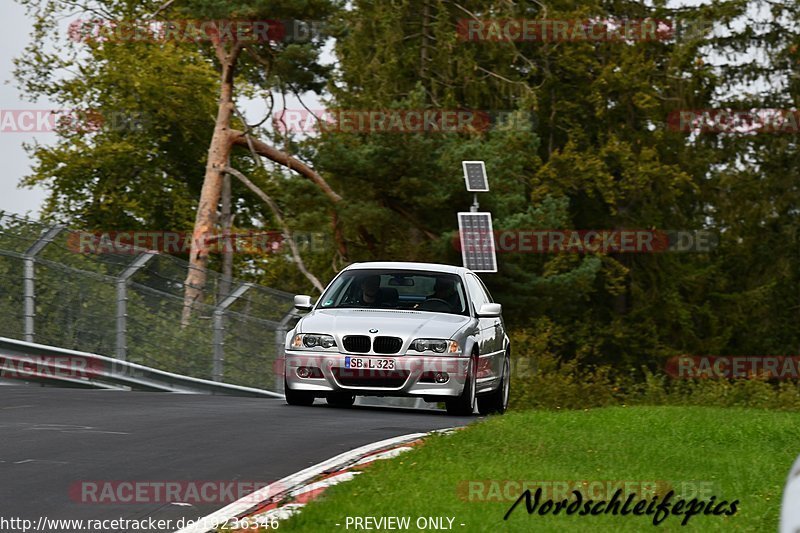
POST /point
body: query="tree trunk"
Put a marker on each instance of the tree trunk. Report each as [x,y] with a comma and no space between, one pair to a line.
[338,237]
[228,243]
[219,151]
[218,155]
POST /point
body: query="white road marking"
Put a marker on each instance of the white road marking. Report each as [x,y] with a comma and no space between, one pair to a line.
[324,483]
[388,454]
[95,431]
[294,481]
[48,461]
[69,428]
[281,513]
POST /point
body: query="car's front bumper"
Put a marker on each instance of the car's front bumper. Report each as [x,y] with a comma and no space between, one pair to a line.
[410,377]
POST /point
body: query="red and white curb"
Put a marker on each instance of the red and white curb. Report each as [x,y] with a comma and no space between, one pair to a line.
[285,497]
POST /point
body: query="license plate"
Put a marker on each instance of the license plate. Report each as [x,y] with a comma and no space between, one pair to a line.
[369,363]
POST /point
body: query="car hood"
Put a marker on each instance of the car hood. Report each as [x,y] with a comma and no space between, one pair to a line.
[403,324]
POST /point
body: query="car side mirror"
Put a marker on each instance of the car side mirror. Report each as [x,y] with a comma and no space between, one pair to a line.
[490,311]
[302,302]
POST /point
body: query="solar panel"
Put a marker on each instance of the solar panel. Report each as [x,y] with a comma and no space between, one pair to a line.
[475,176]
[477,241]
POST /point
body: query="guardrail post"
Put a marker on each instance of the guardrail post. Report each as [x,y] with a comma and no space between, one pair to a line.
[29,277]
[219,329]
[122,302]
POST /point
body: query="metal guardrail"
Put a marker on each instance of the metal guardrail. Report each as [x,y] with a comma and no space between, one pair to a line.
[126,303]
[27,361]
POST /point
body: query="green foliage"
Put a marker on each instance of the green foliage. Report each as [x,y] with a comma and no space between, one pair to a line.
[543,378]
[144,118]
[598,154]
[477,473]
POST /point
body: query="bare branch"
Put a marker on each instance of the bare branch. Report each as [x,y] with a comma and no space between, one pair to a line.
[287,233]
[99,11]
[164,6]
[284,159]
[499,77]
[341,248]
[302,103]
[249,127]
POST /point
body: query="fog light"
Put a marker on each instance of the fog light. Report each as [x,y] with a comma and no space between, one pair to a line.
[312,372]
[441,377]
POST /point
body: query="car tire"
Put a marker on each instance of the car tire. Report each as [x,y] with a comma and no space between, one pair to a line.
[296,397]
[464,405]
[340,399]
[496,402]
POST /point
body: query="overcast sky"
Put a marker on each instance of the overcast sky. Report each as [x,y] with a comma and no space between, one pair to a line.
[16,162]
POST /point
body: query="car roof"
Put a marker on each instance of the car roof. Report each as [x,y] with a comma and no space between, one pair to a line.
[404,265]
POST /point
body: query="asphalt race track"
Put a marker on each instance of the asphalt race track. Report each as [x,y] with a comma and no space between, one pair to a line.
[52,439]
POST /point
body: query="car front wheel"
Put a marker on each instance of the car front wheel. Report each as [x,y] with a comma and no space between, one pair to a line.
[496,402]
[464,404]
[340,399]
[296,397]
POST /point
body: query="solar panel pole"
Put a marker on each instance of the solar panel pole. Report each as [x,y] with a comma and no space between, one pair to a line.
[475,228]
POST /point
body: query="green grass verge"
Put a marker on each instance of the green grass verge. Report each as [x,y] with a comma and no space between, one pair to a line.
[734,454]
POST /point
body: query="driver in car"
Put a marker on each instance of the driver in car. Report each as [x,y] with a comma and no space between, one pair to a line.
[445,289]
[370,290]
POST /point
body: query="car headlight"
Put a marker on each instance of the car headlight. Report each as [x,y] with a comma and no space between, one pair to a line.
[435,345]
[313,340]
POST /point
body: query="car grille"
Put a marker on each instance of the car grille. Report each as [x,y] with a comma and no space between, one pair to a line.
[387,344]
[356,343]
[387,379]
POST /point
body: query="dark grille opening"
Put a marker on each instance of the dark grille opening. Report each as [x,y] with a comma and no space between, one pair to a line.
[356,343]
[390,379]
[387,344]
[427,377]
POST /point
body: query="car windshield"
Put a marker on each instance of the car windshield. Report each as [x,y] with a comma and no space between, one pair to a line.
[436,292]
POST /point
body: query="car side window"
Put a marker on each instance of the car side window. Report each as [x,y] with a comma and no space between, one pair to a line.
[476,292]
[485,291]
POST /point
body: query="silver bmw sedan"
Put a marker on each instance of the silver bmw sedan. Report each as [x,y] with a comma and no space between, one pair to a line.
[400,329]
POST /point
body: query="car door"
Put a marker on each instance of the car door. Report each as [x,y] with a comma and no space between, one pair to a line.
[490,342]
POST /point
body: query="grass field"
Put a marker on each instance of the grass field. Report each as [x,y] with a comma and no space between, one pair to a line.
[732,454]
